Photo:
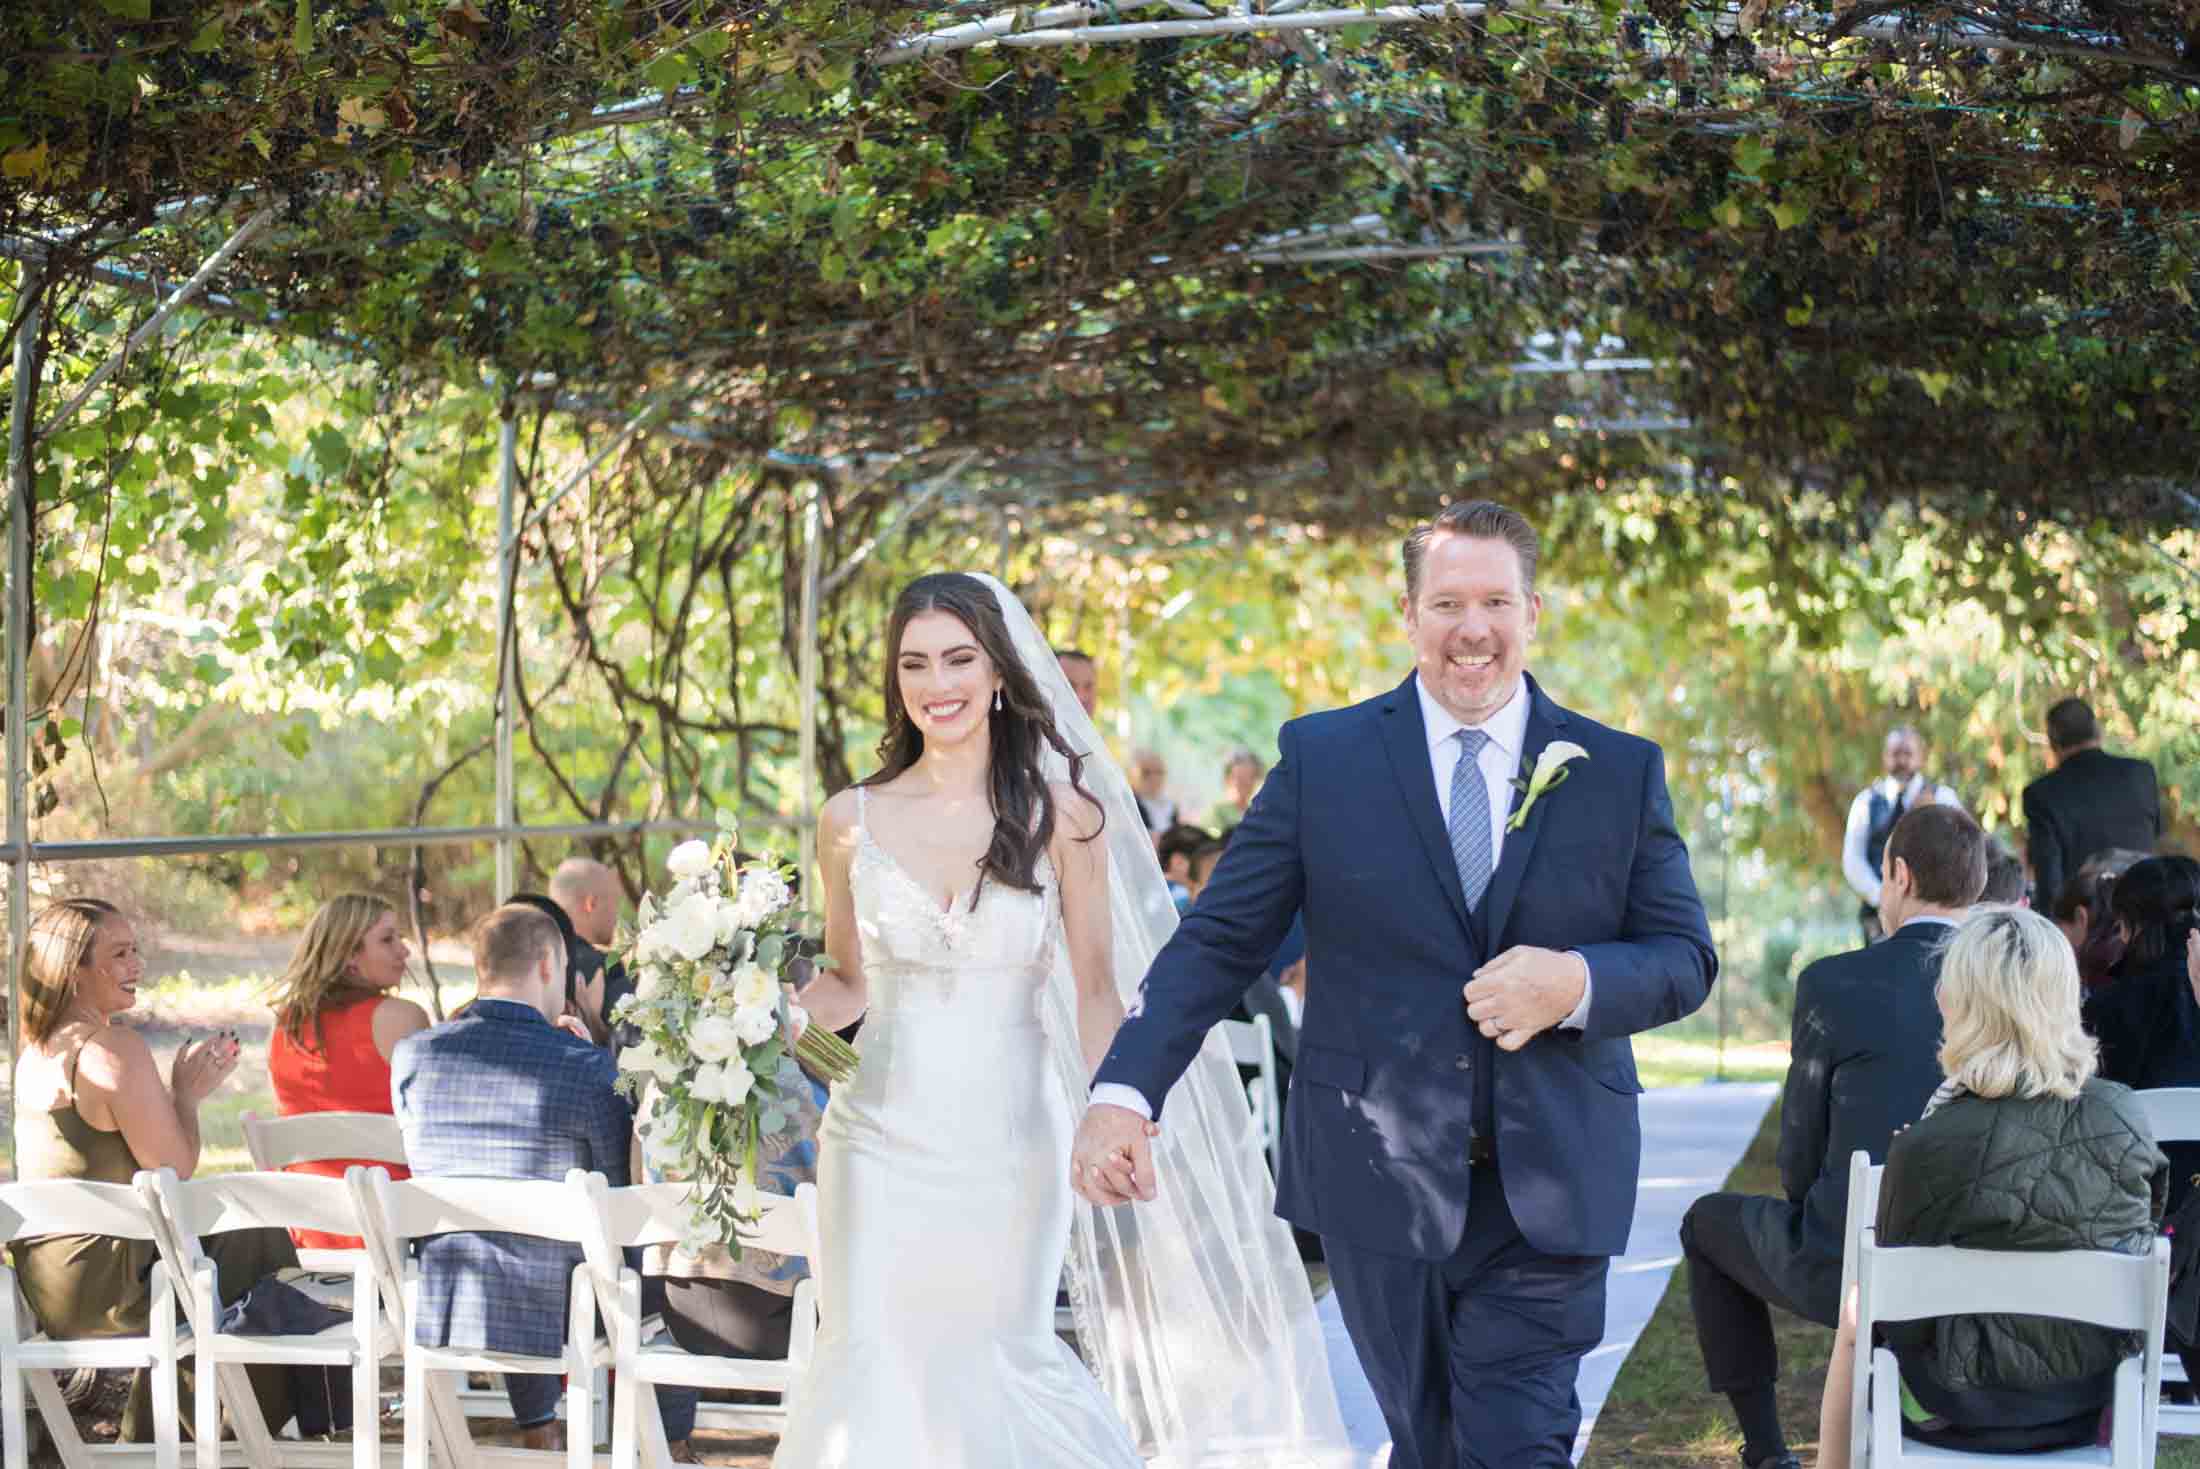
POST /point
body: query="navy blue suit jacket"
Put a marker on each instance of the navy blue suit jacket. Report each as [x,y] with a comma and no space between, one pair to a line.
[1348,830]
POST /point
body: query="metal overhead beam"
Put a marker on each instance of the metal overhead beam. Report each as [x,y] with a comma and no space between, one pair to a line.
[1051,28]
[167,308]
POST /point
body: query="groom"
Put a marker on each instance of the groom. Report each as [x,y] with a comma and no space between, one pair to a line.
[1462,1127]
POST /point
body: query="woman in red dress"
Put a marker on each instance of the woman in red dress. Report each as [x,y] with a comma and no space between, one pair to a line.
[336,1023]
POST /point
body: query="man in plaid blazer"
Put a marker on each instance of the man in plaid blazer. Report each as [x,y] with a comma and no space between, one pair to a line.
[504,1091]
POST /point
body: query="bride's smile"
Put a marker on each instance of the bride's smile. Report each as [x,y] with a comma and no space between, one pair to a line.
[945,679]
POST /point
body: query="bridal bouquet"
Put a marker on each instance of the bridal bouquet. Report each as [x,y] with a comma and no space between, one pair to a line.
[708,958]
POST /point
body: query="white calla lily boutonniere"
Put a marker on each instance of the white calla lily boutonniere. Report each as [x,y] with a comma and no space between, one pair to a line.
[1551,768]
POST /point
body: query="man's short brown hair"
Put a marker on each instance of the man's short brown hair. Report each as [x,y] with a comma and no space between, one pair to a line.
[512,939]
[1946,853]
[1481,520]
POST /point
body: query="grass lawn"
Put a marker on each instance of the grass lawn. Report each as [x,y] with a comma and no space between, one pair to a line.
[1659,1414]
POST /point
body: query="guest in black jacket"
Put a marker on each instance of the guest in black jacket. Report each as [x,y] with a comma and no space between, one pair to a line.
[2145,1016]
[1866,1038]
[2091,801]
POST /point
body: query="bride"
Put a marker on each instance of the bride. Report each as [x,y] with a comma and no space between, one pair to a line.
[990,900]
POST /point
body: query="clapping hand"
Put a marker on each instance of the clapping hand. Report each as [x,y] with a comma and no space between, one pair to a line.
[1524,992]
[202,1065]
[1111,1162]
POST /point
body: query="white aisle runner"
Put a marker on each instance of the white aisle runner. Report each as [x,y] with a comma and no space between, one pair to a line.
[1692,1137]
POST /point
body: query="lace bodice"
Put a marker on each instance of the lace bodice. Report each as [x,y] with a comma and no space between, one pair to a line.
[988,963]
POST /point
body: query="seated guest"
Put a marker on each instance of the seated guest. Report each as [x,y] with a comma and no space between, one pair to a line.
[91,1104]
[716,1305]
[2081,912]
[1176,849]
[590,894]
[1203,865]
[512,1089]
[2021,1148]
[2145,1017]
[2004,877]
[336,1023]
[1242,773]
[1149,775]
[1865,1042]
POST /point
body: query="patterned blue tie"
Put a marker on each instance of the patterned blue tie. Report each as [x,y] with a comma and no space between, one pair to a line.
[1470,817]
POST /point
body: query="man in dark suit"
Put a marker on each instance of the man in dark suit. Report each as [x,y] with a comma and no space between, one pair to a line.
[1865,1061]
[2091,801]
[1462,1130]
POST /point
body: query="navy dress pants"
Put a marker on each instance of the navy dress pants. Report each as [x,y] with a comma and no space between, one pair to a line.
[1473,1359]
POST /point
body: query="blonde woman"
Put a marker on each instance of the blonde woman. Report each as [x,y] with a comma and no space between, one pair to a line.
[2021,1148]
[337,1022]
[93,1106]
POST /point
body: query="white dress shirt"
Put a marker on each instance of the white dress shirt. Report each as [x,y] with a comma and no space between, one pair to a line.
[1856,862]
[1500,762]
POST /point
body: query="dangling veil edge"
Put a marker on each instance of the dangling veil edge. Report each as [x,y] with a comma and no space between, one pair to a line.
[1194,1311]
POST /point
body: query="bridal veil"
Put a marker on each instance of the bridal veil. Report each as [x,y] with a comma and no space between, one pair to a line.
[1194,1310]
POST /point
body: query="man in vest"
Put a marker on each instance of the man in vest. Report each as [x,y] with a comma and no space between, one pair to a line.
[1874,812]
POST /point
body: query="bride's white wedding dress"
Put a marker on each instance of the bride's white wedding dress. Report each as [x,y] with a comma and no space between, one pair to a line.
[944,1201]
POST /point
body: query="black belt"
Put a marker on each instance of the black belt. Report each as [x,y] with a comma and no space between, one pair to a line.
[1482,1151]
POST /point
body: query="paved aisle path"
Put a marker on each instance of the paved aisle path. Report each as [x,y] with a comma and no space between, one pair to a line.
[1691,1139]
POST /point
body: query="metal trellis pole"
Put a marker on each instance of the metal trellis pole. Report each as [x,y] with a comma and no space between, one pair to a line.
[22,486]
[812,536]
[507,647]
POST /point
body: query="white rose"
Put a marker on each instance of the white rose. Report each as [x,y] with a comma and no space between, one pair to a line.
[652,983]
[661,1149]
[689,859]
[730,922]
[715,1038]
[647,1057]
[764,888]
[738,1079]
[690,926]
[753,985]
[709,1084]
[756,1024]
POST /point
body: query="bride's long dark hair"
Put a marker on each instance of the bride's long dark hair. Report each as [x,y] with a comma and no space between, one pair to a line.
[1021,730]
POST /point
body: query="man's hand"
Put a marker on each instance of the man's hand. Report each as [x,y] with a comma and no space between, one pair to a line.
[2192,962]
[1524,992]
[1111,1162]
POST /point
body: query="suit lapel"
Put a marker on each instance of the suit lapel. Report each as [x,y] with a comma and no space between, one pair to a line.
[1406,738]
[1544,720]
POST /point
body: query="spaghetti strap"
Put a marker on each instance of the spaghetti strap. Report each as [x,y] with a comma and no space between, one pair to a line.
[68,1065]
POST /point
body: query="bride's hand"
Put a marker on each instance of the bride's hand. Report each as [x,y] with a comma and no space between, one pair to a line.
[1112,1161]
[798,1019]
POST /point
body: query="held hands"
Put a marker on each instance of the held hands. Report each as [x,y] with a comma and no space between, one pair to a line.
[1524,992]
[202,1065]
[1111,1161]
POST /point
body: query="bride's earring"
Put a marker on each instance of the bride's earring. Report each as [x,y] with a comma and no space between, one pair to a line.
[997,701]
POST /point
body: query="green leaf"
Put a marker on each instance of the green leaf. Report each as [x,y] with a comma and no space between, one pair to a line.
[128,9]
[296,738]
[668,73]
[301,29]
[1789,213]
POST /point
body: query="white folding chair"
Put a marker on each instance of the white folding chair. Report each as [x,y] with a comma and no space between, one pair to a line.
[2173,1116]
[62,1206]
[1912,1283]
[656,1214]
[419,1207]
[274,1143]
[1253,1043]
[185,1211]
